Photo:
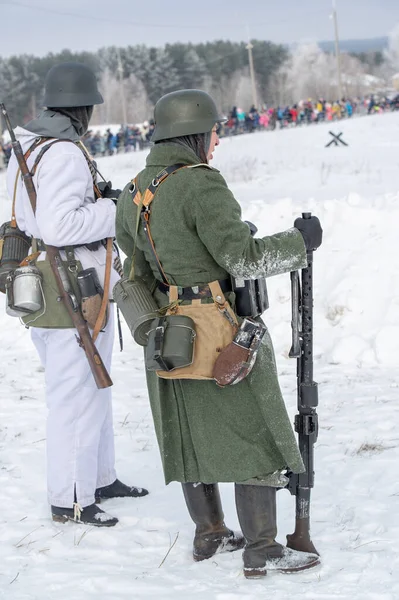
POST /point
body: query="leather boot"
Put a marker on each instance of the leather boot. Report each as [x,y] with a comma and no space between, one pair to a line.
[117,489]
[211,534]
[256,510]
[89,515]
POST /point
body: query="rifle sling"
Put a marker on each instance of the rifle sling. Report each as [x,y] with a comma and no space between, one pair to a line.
[27,154]
[69,250]
[143,203]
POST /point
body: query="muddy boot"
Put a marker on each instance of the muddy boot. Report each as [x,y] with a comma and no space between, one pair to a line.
[89,515]
[117,489]
[211,534]
[256,510]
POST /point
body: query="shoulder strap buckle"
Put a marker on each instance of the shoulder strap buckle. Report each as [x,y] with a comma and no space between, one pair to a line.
[143,202]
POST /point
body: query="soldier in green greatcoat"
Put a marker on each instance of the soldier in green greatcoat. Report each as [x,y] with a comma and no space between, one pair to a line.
[207,434]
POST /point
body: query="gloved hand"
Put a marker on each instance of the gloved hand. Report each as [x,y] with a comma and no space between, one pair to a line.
[252,227]
[311,231]
[106,190]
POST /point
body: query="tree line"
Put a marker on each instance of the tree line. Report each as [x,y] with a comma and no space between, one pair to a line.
[132,78]
[146,73]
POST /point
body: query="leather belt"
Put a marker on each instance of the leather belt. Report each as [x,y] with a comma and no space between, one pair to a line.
[91,246]
[196,292]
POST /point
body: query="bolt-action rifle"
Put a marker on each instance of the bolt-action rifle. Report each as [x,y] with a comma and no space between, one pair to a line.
[84,338]
[306,421]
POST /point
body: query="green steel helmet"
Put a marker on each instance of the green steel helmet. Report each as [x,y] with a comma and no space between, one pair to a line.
[184,112]
[71,84]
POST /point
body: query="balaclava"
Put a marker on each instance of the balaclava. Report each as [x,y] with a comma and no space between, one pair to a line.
[80,117]
[197,142]
[61,123]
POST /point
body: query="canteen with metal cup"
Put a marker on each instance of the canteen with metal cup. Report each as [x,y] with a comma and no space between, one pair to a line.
[170,343]
[24,291]
[137,306]
[14,247]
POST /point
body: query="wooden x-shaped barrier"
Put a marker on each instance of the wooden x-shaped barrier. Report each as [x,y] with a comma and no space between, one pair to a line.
[336,139]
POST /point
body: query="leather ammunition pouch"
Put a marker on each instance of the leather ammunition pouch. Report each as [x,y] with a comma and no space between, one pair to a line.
[92,295]
[91,307]
[236,361]
[251,296]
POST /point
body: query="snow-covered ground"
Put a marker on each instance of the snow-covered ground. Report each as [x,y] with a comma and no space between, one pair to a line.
[355,516]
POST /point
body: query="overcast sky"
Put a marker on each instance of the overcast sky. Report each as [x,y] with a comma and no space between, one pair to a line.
[42,26]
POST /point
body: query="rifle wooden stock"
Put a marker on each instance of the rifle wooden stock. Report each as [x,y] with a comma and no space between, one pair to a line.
[84,338]
[19,155]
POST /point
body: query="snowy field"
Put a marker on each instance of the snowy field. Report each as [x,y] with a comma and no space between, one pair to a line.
[355,516]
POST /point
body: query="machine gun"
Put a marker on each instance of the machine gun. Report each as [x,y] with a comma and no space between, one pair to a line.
[306,421]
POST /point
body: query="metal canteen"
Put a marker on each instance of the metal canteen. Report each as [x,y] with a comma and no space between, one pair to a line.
[14,247]
[137,306]
[24,291]
[170,343]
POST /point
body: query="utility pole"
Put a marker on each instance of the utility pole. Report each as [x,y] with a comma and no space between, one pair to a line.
[122,90]
[337,52]
[252,70]
[33,105]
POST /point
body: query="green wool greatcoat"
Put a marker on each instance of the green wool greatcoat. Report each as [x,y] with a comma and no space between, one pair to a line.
[240,433]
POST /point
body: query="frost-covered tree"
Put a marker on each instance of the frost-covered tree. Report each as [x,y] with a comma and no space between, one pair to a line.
[356,81]
[268,58]
[220,67]
[280,90]
[161,76]
[153,67]
[20,87]
[313,73]
[393,48]
[138,107]
[189,67]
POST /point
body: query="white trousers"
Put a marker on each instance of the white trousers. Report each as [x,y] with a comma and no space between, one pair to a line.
[80,437]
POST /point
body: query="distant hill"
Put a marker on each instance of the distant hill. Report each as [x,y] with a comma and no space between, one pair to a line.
[357,46]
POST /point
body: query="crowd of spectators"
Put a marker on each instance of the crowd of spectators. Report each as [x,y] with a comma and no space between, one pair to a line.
[128,138]
[137,137]
[303,113]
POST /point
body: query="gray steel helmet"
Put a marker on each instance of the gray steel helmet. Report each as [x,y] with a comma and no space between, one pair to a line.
[184,112]
[71,84]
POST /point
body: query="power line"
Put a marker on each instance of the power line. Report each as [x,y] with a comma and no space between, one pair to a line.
[121,86]
[99,18]
[179,26]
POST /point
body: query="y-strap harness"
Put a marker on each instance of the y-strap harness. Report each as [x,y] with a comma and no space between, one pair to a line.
[143,202]
[38,245]
[144,209]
